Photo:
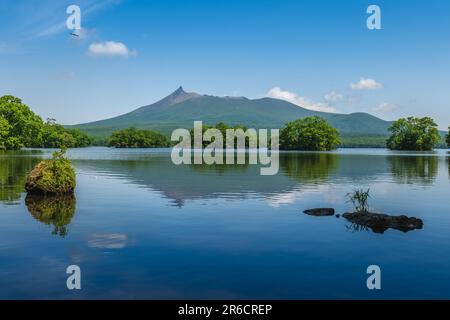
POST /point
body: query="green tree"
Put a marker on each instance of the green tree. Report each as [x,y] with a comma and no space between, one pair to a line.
[414,134]
[24,126]
[54,135]
[82,140]
[21,127]
[4,132]
[311,134]
[448,137]
[135,138]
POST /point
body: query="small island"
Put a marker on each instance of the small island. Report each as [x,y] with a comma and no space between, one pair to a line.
[377,222]
[55,176]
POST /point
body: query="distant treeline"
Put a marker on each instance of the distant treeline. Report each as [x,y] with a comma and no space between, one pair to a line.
[21,127]
[135,138]
[312,134]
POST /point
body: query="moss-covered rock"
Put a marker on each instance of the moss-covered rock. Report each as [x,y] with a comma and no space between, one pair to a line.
[54,176]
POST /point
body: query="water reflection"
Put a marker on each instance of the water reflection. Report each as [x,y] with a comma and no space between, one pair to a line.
[14,167]
[309,167]
[186,182]
[56,211]
[298,171]
[221,169]
[353,227]
[415,169]
[123,197]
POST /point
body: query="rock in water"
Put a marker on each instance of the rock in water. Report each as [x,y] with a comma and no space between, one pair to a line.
[320,212]
[54,176]
[379,223]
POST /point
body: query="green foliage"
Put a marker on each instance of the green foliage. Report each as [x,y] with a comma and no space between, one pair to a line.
[52,176]
[413,134]
[311,134]
[21,127]
[13,143]
[222,127]
[135,138]
[447,138]
[54,135]
[360,199]
[4,132]
[56,211]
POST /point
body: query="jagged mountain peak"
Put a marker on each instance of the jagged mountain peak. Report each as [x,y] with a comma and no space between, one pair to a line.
[178,92]
[179,96]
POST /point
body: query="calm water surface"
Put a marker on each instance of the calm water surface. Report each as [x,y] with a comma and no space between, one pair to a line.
[141,227]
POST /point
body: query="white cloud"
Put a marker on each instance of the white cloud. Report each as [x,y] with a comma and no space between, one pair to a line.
[300,101]
[366,84]
[385,107]
[333,97]
[110,48]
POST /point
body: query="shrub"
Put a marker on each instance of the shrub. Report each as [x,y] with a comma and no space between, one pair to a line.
[360,199]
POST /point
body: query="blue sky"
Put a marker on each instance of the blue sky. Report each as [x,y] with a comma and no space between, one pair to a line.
[319,54]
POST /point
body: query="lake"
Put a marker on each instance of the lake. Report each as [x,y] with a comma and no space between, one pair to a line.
[141,227]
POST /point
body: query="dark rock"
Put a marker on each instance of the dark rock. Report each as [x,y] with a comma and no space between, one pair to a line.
[338,216]
[320,212]
[379,223]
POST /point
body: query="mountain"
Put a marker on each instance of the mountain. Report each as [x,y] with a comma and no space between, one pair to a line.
[180,109]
